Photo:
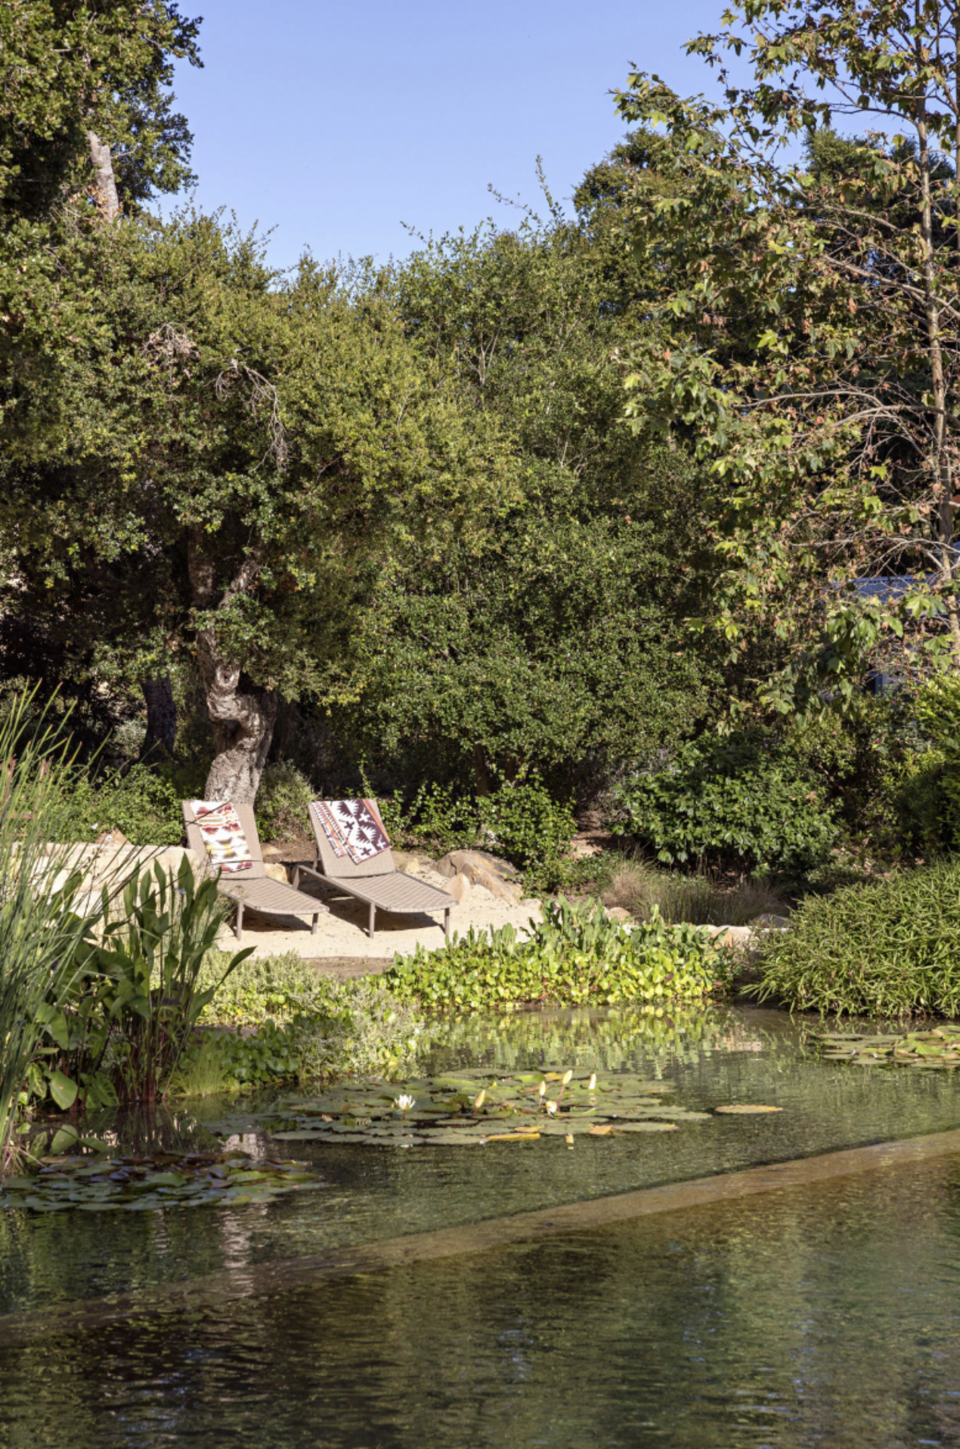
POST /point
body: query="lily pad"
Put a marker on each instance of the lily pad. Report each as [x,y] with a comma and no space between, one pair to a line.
[744,1109]
[145,1184]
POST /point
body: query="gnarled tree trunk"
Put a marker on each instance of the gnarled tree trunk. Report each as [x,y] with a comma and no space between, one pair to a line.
[242,720]
[105,184]
[161,736]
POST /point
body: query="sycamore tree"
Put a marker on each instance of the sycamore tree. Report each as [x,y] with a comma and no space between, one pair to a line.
[805,339]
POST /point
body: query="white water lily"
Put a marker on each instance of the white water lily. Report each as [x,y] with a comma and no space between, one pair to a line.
[543,1090]
[592,1084]
[551,1107]
[404,1103]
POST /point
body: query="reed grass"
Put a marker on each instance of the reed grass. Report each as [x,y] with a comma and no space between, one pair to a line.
[39,931]
[697,899]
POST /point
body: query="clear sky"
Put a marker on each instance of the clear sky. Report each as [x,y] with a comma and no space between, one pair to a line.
[337,123]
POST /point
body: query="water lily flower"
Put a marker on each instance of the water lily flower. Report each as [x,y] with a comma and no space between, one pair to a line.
[404,1103]
[551,1107]
[592,1084]
[479,1100]
[564,1083]
[543,1090]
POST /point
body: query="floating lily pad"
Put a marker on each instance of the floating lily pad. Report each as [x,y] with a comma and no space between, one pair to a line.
[744,1109]
[141,1184]
[462,1108]
[937,1049]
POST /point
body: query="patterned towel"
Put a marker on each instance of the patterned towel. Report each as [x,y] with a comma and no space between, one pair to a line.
[222,835]
[353,828]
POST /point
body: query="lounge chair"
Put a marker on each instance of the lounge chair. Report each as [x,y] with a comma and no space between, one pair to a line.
[253,887]
[376,881]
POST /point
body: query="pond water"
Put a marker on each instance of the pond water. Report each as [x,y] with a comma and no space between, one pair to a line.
[825,1315]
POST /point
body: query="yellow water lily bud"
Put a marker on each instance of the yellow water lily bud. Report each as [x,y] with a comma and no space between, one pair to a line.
[479,1099]
[591,1085]
[543,1089]
[567,1077]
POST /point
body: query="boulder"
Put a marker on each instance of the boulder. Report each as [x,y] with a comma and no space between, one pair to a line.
[481,868]
[618,913]
[736,936]
[276,871]
[459,887]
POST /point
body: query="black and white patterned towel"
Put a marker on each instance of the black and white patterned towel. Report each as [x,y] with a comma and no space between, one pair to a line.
[353,828]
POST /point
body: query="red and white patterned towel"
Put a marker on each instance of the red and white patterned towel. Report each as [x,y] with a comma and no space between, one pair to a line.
[222,835]
[353,828]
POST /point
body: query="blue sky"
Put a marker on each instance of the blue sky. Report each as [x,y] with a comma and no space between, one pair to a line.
[336,124]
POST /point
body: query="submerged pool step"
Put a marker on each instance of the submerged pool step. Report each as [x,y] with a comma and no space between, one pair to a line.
[482,1237]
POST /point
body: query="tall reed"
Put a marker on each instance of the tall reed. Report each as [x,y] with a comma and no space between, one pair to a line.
[39,932]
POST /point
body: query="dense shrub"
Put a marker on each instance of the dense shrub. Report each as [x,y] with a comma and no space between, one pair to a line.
[883,948]
[741,800]
[521,821]
[575,956]
[143,803]
[283,802]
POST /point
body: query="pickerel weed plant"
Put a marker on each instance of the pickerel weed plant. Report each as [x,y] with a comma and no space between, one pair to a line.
[575,956]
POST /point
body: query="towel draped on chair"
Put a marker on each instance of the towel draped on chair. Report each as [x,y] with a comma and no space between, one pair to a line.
[222,835]
[353,828]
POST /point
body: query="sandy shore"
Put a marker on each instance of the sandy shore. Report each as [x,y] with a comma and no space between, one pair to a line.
[342,939]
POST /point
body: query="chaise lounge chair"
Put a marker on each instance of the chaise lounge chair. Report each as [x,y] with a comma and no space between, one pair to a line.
[376,881]
[253,887]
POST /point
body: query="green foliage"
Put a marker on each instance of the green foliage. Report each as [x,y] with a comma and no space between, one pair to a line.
[143,804]
[520,820]
[739,799]
[306,1024]
[116,1031]
[39,934]
[551,641]
[576,955]
[885,948]
[259,989]
[283,802]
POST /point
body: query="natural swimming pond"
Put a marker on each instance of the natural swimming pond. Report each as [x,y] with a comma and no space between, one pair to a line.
[824,1314]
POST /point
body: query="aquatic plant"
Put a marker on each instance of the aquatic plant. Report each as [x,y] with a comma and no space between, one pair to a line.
[449,1110]
[161,1180]
[115,1032]
[39,930]
[575,955]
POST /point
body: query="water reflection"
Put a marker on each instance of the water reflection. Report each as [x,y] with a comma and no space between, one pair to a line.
[829,1317]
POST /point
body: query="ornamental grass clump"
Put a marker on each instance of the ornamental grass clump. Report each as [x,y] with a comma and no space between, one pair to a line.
[575,956]
[39,932]
[883,948]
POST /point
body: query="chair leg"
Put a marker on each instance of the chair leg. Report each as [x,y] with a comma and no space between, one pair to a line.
[373,917]
[239,925]
[296,877]
[446,923]
[316,924]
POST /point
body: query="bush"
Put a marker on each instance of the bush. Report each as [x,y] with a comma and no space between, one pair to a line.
[143,803]
[575,956]
[884,948]
[283,803]
[307,1025]
[521,820]
[741,801]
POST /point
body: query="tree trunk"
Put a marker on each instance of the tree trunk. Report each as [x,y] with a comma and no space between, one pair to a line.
[242,721]
[105,185]
[161,736]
